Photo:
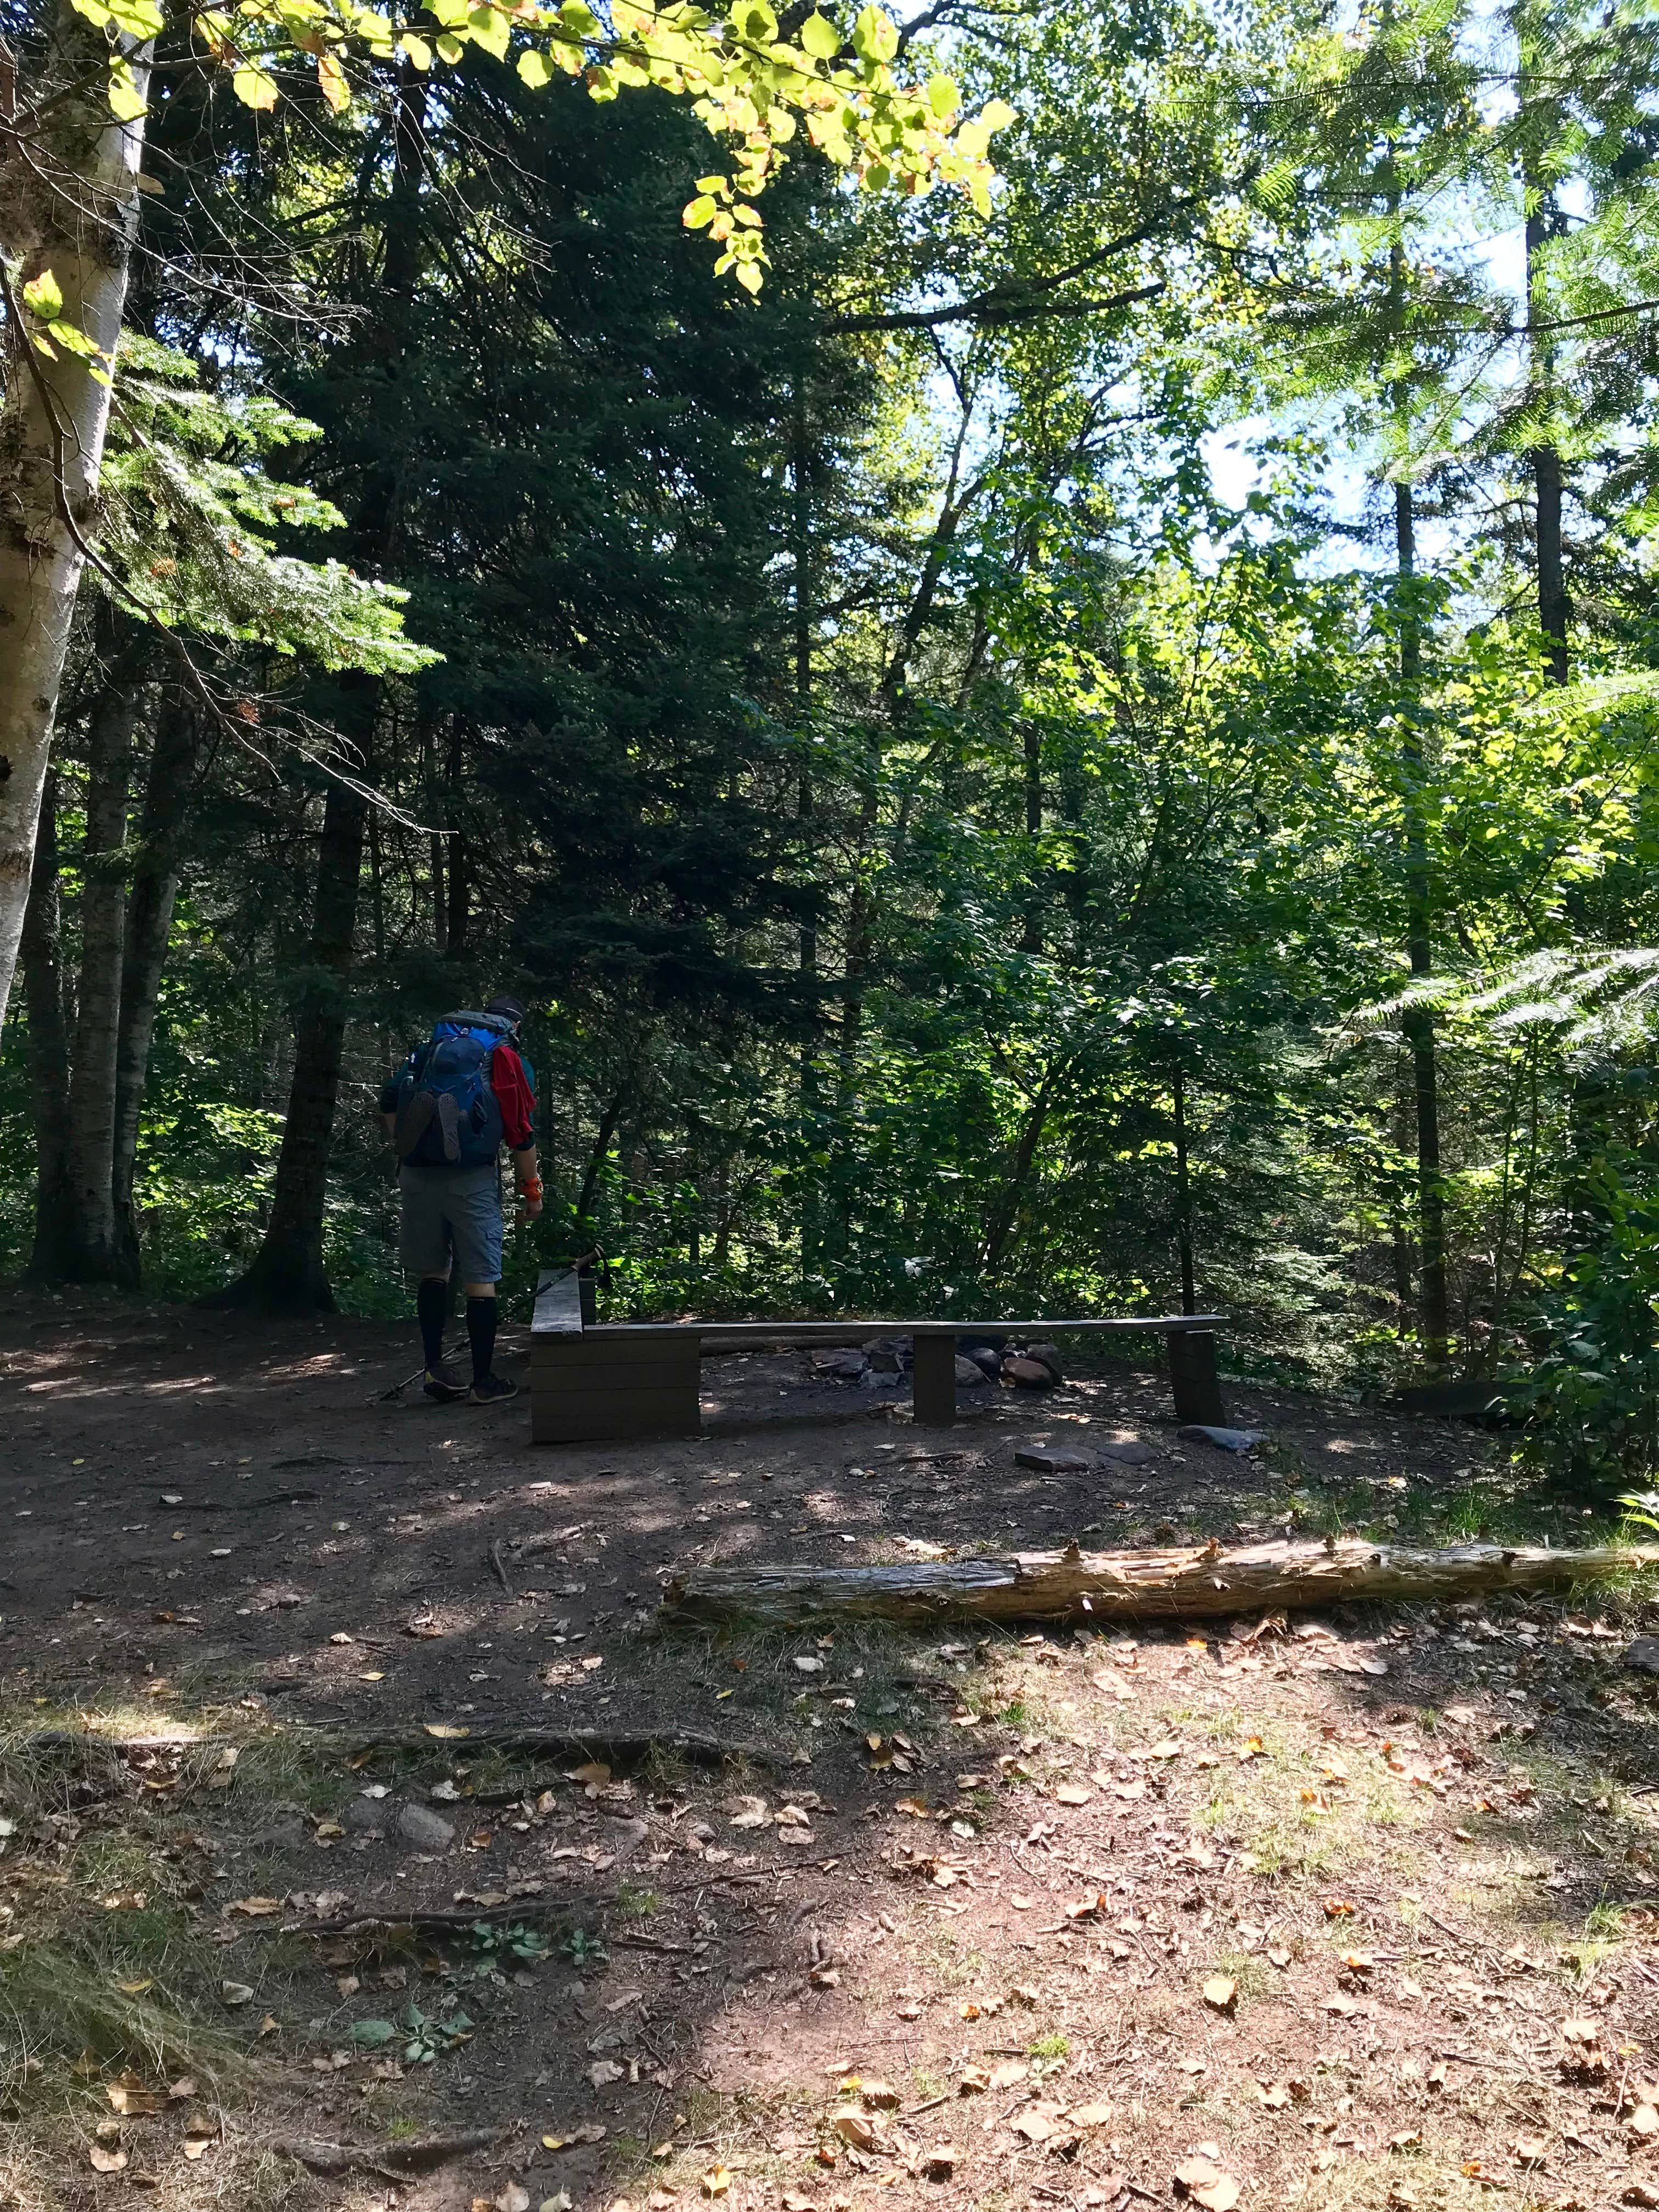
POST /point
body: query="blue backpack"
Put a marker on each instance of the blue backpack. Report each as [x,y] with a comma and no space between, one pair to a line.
[447,1113]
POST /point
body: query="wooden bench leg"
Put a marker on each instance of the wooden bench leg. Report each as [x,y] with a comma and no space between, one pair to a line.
[1194,1383]
[933,1382]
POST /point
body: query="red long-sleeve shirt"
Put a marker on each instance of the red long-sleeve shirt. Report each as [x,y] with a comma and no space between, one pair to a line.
[514,1098]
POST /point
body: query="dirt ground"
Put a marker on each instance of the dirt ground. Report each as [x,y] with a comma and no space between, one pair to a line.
[966,1920]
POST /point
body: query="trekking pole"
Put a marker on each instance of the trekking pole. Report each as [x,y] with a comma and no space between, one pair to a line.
[397,1388]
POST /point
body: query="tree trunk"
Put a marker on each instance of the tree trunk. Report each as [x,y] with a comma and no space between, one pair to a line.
[428,742]
[1102,1587]
[596,1160]
[1545,461]
[68,205]
[807,943]
[1553,610]
[98,1250]
[1419,1024]
[288,1275]
[43,996]
[456,897]
[1031,937]
[456,889]
[150,897]
[1183,1195]
[1000,1227]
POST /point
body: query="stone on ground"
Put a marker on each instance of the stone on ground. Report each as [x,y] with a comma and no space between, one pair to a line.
[1130,1453]
[1232,1440]
[427,1830]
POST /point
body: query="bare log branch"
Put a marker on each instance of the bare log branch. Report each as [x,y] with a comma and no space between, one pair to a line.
[1154,1585]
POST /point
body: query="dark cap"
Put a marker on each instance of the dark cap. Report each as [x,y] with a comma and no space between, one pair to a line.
[508,1006]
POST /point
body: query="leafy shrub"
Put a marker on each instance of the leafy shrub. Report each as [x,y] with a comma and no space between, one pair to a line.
[1590,1401]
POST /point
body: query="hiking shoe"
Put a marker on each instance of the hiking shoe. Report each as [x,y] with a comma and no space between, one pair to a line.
[438,1383]
[494,1390]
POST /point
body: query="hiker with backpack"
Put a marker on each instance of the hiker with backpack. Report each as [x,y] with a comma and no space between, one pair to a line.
[448,1110]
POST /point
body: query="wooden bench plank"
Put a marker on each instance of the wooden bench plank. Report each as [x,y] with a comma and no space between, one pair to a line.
[558,1310]
[732,1335]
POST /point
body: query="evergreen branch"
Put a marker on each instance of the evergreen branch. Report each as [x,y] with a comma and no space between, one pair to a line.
[997,309]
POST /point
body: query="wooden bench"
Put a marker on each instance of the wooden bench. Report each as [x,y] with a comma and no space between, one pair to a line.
[590,1385]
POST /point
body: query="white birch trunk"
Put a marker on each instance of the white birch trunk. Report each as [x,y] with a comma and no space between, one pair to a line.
[71,209]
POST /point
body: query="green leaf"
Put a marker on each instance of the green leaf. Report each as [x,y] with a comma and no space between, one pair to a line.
[254,88]
[698,214]
[42,296]
[75,340]
[489,27]
[375,28]
[754,20]
[820,38]
[942,95]
[126,102]
[534,68]
[142,20]
[875,35]
[997,115]
[370,2035]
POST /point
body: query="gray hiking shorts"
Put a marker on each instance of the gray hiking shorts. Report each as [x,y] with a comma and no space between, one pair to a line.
[448,1210]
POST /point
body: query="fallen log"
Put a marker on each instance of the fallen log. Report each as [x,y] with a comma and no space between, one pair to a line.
[624,1746]
[1184,1584]
[439,1921]
[392,2160]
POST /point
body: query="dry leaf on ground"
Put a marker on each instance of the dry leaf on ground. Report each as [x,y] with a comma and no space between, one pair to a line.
[1201,2178]
[128,2096]
[855,2127]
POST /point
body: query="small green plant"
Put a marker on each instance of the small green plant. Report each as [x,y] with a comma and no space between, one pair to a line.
[496,1943]
[584,1950]
[424,2036]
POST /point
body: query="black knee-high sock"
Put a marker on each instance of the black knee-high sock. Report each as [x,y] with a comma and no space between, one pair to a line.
[481,1334]
[432,1306]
